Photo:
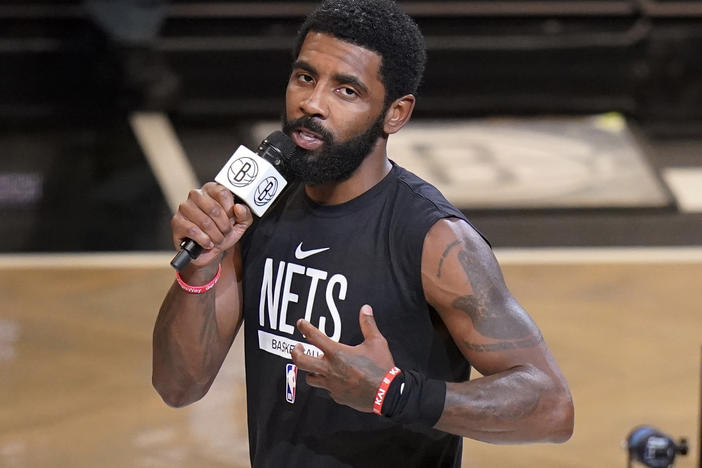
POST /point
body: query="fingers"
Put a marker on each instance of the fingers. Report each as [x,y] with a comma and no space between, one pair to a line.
[210,210]
[221,194]
[242,216]
[374,340]
[314,380]
[311,364]
[210,217]
[315,367]
[367,323]
[182,227]
[315,336]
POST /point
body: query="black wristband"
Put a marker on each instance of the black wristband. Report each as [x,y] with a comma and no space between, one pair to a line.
[415,399]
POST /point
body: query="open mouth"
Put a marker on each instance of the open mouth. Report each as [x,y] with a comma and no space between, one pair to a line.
[307,139]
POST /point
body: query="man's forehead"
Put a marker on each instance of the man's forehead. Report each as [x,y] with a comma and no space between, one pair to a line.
[357,57]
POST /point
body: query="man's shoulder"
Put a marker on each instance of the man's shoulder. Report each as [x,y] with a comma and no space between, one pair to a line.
[425,195]
[429,204]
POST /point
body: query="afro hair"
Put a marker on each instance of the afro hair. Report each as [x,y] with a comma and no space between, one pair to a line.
[380,26]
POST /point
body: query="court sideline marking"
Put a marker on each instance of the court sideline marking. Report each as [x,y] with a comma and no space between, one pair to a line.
[521,256]
[165,155]
[686,185]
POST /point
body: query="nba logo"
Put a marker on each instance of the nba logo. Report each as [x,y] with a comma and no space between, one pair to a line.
[290,382]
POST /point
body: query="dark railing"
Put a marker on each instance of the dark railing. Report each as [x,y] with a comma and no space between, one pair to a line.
[639,57]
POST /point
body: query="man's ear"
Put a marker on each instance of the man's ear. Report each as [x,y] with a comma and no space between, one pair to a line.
[399,113]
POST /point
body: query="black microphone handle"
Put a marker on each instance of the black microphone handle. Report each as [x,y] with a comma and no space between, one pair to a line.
[189,250]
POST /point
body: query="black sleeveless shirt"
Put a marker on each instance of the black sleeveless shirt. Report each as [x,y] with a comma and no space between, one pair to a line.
[322,263]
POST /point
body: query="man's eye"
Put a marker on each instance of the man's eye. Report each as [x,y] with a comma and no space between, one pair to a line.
[348,92]
[305,78]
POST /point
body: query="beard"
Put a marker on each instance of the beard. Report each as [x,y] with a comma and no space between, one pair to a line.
[332,162]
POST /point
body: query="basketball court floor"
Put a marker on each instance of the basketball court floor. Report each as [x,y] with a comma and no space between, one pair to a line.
[75,360]
[624,322]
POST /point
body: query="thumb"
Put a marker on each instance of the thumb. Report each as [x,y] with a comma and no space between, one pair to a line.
[367,322]
[242,214]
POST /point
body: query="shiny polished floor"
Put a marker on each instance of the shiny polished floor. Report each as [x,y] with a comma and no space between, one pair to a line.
[75,358]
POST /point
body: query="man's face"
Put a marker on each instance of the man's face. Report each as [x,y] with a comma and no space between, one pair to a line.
[334,108]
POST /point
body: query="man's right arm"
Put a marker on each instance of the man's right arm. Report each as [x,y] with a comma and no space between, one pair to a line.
[193,332]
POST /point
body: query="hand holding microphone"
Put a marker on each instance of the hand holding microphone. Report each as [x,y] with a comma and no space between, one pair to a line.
[257,179]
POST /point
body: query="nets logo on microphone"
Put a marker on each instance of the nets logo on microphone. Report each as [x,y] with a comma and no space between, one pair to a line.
[265,191]
[242,172]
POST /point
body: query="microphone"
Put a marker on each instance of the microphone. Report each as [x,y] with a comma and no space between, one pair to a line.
[653,448]
[257,179]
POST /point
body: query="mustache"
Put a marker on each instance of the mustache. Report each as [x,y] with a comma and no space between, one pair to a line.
[310,124]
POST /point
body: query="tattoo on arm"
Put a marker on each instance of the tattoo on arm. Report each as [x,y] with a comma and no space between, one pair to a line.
[486,306]
[445,254]
[529,342]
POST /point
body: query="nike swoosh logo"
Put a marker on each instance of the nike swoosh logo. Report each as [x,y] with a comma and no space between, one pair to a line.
[302,254]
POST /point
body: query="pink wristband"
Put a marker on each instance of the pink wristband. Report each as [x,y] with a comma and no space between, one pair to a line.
[383,389]
[199,289]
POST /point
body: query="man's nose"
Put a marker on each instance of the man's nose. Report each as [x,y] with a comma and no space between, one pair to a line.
[314,104]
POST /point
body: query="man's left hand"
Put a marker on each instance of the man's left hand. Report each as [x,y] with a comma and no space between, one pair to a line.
[351,374]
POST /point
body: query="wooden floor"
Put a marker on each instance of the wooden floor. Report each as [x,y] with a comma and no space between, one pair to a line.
[75,360]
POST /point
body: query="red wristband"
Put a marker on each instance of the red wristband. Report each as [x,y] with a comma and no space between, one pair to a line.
[199,289]
[383,389]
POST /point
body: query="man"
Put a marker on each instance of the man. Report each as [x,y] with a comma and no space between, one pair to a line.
[363,279]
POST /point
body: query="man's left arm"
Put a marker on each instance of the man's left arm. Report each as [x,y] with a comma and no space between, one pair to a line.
[522,396]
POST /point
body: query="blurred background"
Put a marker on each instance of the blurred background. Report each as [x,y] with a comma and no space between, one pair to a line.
[568,131]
